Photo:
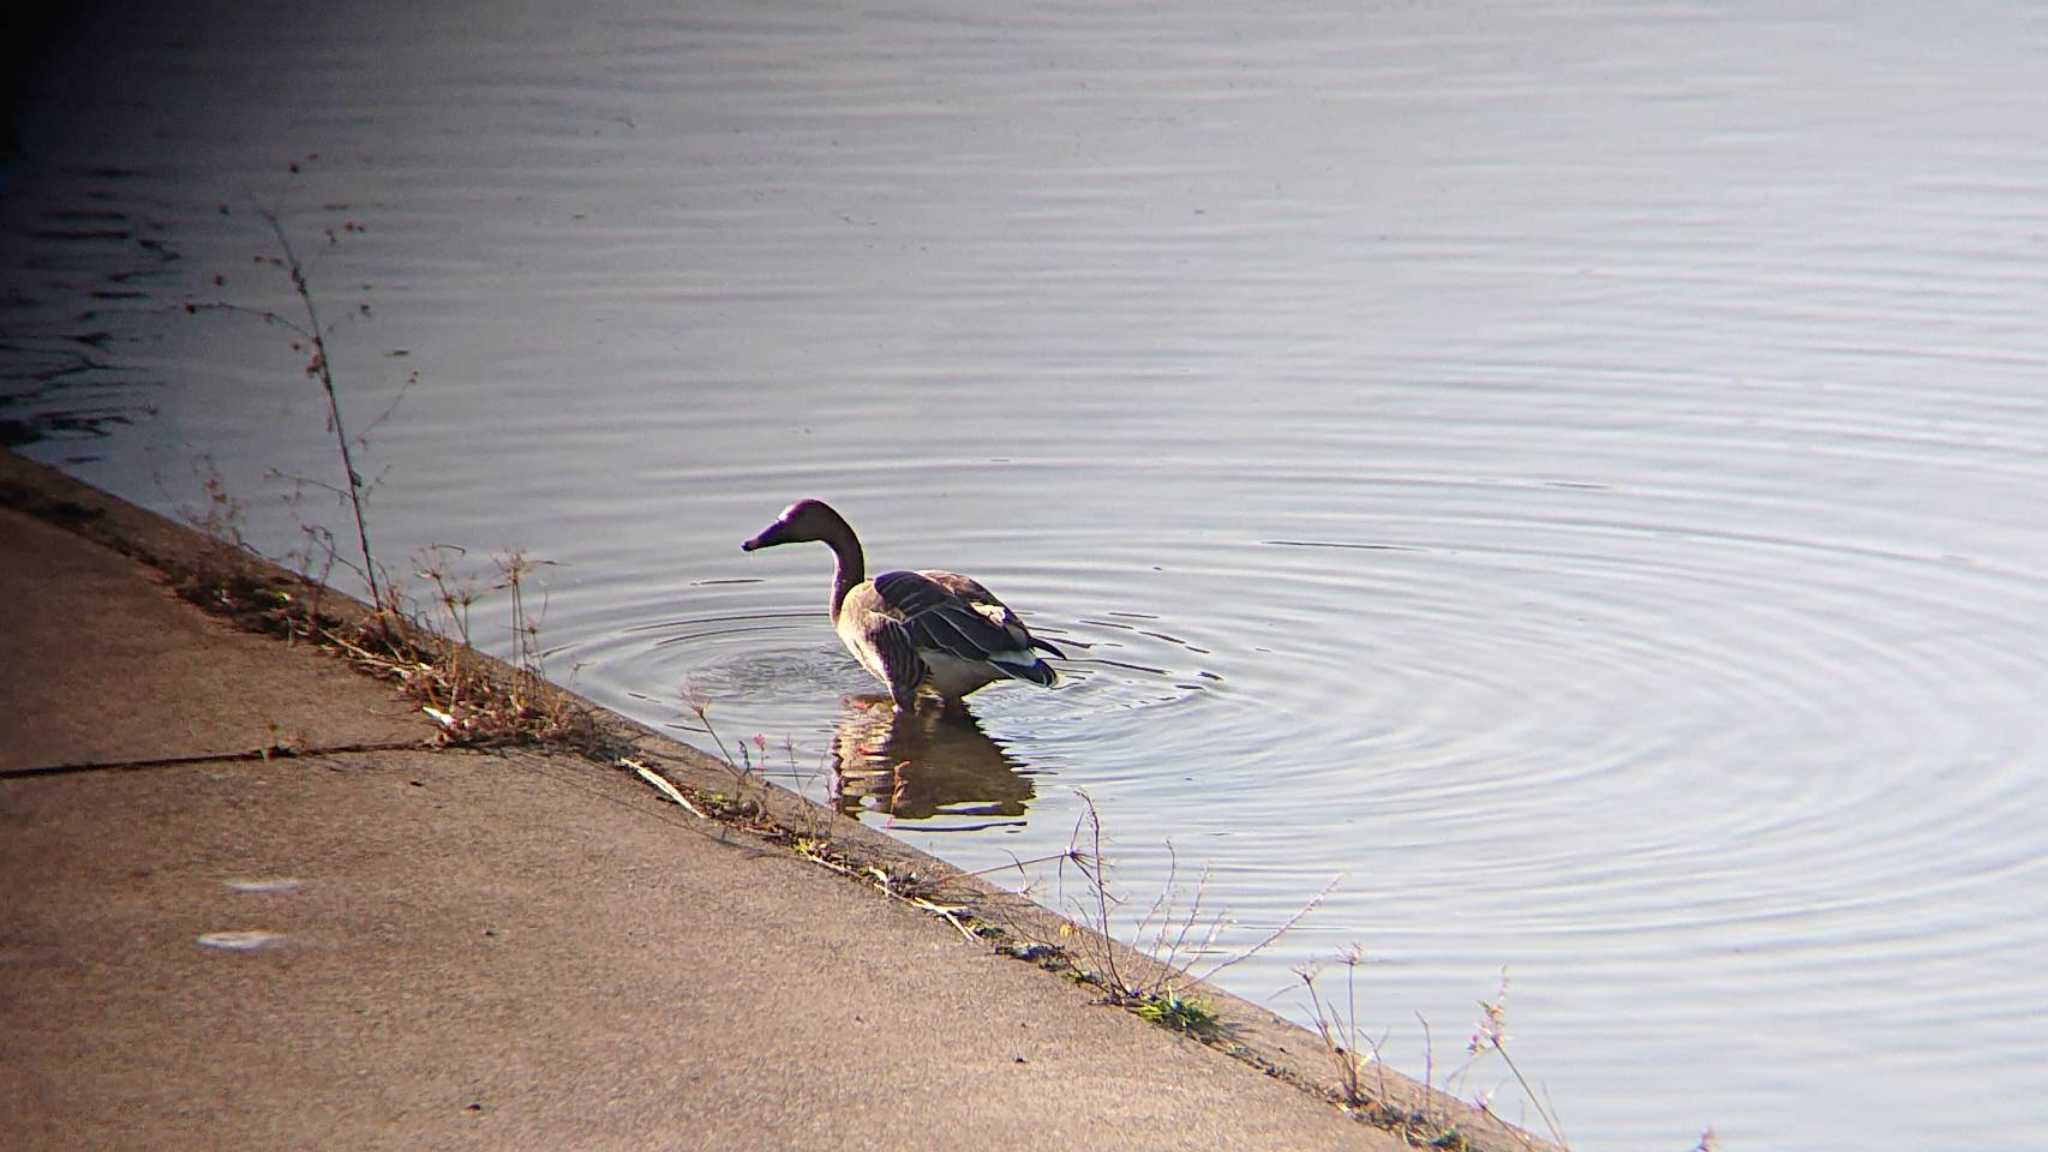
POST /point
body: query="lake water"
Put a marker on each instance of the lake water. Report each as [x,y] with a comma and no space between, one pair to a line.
[1576,473]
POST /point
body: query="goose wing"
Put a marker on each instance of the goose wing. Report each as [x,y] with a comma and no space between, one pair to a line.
[947,612]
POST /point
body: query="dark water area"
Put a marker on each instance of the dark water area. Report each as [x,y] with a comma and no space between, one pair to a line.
[1573,474]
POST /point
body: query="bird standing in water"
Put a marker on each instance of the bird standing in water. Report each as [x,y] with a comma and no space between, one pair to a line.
[932,630]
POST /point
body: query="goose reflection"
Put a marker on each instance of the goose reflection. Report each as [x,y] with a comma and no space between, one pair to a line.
[917,765]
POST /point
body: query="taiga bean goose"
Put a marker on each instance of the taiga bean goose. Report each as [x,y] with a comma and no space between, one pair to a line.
[932,630]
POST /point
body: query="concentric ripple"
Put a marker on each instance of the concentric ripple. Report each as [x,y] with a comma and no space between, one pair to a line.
[761,667]
[1575,478]
[1695,683]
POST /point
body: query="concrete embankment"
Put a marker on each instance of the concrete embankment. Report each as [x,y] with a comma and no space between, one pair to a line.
[379,942]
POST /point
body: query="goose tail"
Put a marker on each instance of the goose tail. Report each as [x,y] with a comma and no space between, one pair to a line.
[1023,665]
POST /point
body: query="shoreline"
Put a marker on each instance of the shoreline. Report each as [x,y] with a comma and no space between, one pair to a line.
[653,783]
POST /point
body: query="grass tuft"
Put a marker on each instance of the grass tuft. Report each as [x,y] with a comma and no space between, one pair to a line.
[1169,1009]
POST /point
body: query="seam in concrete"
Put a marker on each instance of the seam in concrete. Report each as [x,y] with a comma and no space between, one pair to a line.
[274,752]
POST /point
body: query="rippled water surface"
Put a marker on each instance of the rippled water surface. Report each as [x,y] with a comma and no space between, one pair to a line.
[1576,473]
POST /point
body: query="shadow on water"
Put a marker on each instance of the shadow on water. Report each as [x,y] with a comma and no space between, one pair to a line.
[924,765]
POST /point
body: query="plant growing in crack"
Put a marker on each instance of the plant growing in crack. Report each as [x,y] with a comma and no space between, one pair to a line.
[425,647]
[310,333]
[1430,1117]
[1490,1037]
[1175,936]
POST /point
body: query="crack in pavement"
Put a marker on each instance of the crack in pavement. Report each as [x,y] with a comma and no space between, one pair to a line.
[272,752]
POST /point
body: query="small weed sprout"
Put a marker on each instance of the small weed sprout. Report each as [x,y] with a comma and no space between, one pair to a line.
[515,570]
[699,704]
[315,556]
[1428,1069]
[1170,1009]
[748,805]
[1339,1032]
[1490,1036]
[1175,937]
[1420,1120]
[221,516]
[454,594]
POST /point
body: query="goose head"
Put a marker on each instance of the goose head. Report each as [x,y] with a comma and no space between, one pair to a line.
[802,521]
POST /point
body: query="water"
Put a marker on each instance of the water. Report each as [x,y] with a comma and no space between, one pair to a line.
[1575,473]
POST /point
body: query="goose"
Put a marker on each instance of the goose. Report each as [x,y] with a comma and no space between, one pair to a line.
[932,629]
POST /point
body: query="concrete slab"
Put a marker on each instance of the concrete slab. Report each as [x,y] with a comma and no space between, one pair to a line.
[104,663]
[513,951]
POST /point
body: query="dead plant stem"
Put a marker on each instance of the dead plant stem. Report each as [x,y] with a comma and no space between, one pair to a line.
[324,369]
